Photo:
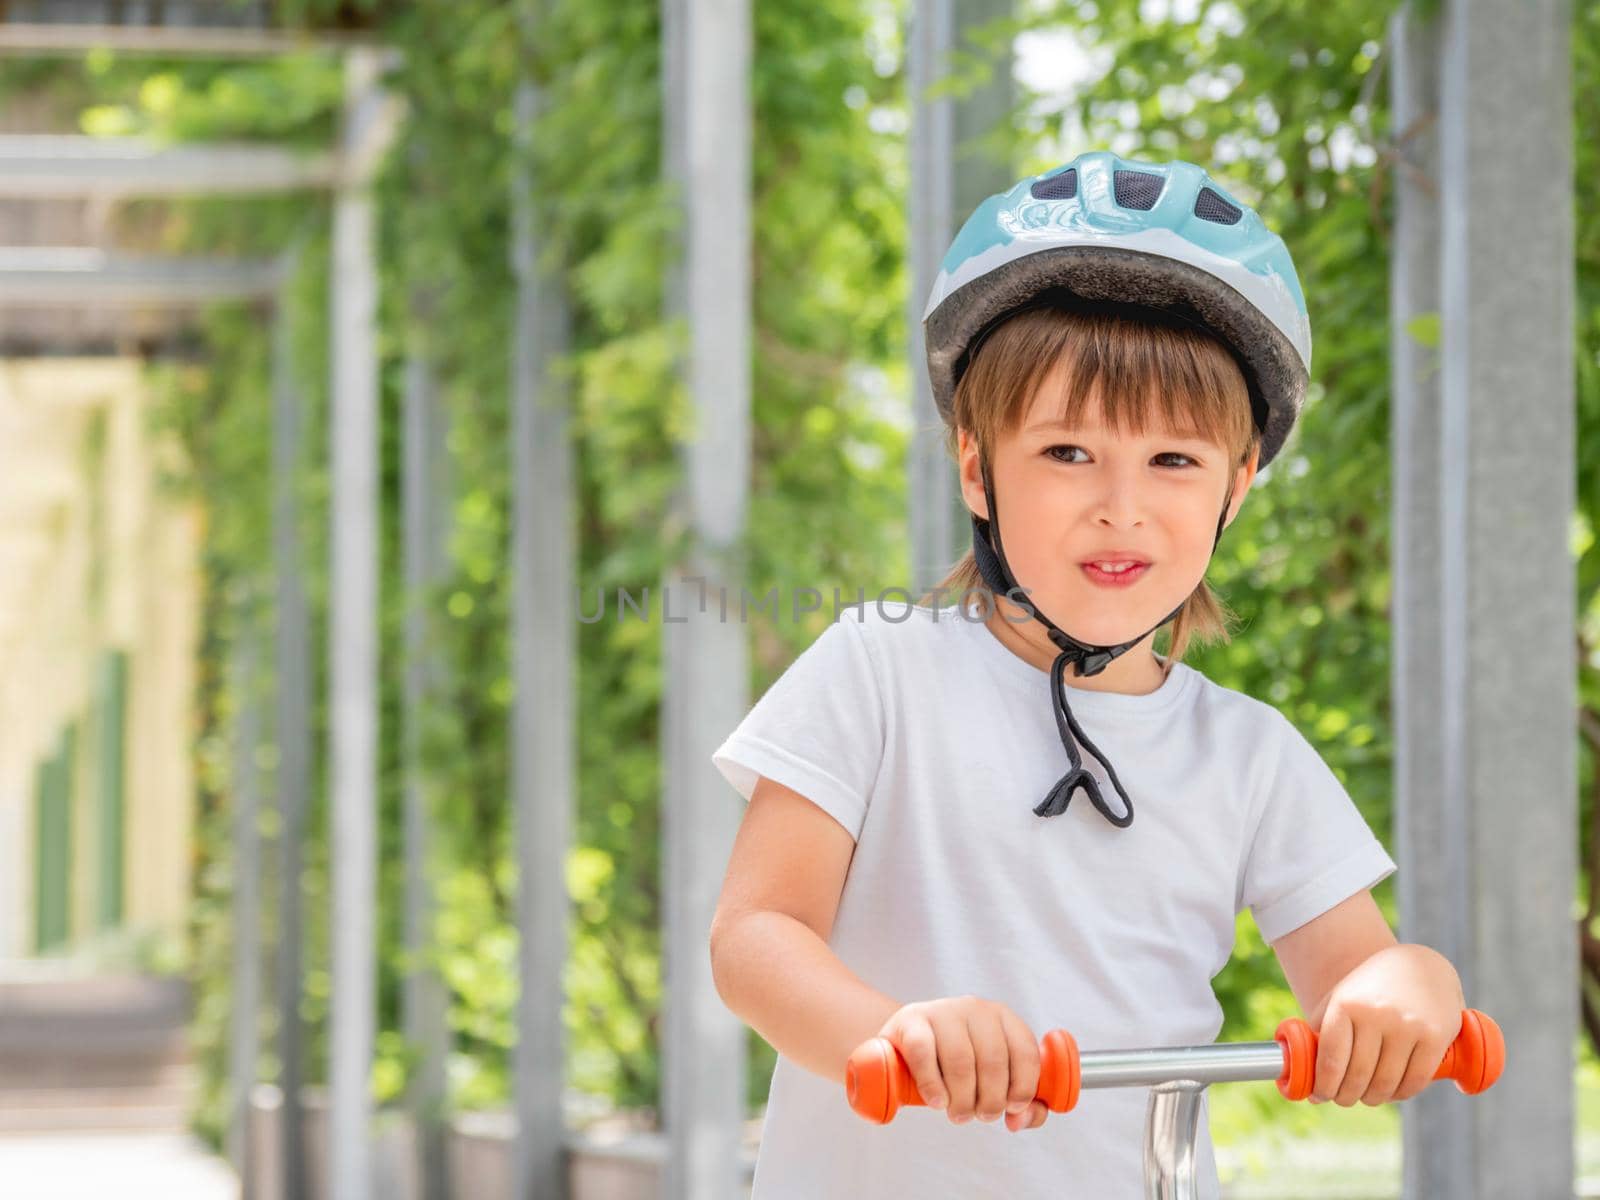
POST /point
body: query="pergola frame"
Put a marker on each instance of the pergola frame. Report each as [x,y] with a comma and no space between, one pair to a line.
[72,277]
[47,165]
[37,40]
[34,166]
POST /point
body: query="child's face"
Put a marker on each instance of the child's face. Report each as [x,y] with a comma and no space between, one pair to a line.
[1070,496]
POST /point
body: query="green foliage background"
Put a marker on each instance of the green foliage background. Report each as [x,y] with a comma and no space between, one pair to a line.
[1283,105]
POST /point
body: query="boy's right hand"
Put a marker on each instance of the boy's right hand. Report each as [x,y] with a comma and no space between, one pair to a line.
[970,1056]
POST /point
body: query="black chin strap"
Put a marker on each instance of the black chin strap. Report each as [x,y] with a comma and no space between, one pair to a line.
[1087,659]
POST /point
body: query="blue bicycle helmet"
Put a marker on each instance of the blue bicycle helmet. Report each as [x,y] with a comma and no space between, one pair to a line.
[1162,241]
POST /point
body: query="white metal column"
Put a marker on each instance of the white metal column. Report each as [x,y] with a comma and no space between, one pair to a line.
[293,737]
[353,649]
[245,906]
[544,651]
[706,46]
[1430,884]
[425,502]
[934,522]
[1505,598]
[950,176]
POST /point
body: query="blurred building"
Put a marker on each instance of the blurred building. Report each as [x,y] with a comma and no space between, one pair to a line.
[99,614]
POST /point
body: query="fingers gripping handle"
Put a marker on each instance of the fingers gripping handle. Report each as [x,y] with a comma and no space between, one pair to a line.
[1474,1060]
[878,1082]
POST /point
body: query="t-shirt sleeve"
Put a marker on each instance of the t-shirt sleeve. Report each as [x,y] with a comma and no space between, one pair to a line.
[1310,848]
[819,728]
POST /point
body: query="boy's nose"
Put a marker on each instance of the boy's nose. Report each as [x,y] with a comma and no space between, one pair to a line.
[1123,499]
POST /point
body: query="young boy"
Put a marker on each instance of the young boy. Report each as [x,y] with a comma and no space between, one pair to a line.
[1116,348]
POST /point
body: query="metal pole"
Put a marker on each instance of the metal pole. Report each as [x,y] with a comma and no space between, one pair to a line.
[1172,1118]
[54,165]
[543,749]
[353,659]
[245,1000]
[950,174]
[707,51]
[293,651]
[931,219]
[1431,882]
[1506,590]
[426,509]
[73,38]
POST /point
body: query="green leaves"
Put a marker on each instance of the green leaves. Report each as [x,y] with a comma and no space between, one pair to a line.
[1424,329]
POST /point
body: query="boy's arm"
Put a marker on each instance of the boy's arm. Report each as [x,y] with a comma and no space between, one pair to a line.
[770,958]
[1325,949]
[783,981]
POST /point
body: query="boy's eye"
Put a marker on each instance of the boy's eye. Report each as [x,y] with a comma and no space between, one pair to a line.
[1168,454]
[1052,451]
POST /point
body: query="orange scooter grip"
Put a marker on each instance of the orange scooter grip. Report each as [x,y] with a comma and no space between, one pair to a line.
[1474,1060]
[878,1082]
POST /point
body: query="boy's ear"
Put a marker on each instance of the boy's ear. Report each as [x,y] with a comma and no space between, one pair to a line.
[1243,479]
[971,474]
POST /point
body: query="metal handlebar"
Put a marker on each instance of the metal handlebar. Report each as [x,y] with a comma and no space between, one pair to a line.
[878,1082]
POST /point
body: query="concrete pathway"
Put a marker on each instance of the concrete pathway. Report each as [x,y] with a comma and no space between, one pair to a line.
[91,1166]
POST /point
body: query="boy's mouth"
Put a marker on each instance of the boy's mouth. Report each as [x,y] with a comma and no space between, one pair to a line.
[1115,572]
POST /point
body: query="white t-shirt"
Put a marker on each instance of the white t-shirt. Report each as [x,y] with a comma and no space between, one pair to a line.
[931,742]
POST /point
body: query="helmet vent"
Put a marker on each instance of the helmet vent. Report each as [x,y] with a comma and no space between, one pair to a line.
[1209,206]
[1136,189]
[1058,187]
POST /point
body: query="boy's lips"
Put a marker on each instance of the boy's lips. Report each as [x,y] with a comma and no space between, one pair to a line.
[1115,557]
[1122,576]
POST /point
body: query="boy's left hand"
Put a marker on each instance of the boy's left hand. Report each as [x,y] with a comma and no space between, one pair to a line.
[1386,1026]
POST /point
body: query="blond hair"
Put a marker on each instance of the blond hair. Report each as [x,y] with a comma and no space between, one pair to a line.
[1149,372]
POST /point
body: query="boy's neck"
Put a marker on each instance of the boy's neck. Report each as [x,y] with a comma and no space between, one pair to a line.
[1137,671]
